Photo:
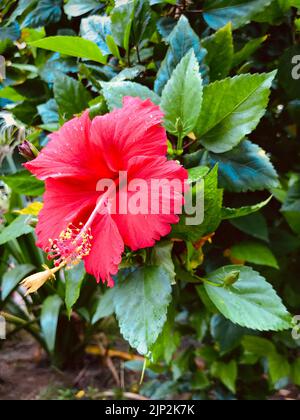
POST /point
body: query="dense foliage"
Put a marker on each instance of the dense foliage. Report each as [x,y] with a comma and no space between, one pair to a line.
[205,304]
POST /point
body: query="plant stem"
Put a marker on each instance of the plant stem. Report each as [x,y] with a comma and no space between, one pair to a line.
[210,283]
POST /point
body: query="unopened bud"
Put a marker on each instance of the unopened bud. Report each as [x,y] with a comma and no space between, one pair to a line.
[28,150]
[232,278]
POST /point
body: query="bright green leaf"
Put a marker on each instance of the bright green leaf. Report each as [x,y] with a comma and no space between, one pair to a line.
[231,109]
[182,97]
[251,302]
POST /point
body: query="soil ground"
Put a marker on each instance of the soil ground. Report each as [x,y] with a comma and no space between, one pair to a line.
[25,374]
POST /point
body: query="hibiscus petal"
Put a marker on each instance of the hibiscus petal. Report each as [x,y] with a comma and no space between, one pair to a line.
[70,153]
[65,201]
[107,248]
[143,230]
[131,131]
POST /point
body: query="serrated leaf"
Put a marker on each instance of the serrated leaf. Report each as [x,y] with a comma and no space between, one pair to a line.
[141,304]
[114,93]
[231,109]
[233,213]
[182,97]
[73,46]
[251,302]
[13,277]
[162,257]
[49,320]
[96,28]
[213,198]
[74,279]
[219,56]
[66,87]
[24,183]
[20,226]
[181,40]
[254,253]
[218,13]
[46,12]
[245,168]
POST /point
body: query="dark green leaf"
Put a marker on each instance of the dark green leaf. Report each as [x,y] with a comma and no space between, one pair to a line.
[245,168]
[65,88]
[219,56]
[181,40]
[141,304]
[13,277]
[49,320]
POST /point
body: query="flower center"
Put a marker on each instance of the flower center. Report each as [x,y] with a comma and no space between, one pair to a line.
[71,246]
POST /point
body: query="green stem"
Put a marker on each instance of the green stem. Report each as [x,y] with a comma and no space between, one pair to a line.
[210,283]
[143,371]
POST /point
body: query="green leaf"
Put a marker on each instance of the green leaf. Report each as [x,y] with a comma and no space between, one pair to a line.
[49,320]
[233,213]
[279,367]
[132,22]
[219,56]
[13,277]
[227,334]
[66,87]
[167,342]
[245,168]
[218,13]
[114,93]
[259,346]
[182,97]
[254,253]
[213,198]
[251,302]
[75,8]
[254,225]
[227,373]
[10,93]
[231,109]
[295,372]
[105,306]
[291,205]
[46,12]
[248,49]
[96,29]
[162,257]
[24,183]
[181,40]
[195,174]
[141,304]
[74,279]
[73,46]
[20,226]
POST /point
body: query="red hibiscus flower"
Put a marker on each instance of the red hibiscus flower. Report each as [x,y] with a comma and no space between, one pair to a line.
[76,221]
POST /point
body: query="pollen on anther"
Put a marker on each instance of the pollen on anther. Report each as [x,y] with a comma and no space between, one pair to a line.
[71,246]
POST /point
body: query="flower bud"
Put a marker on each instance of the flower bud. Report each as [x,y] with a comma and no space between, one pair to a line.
[28,150]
